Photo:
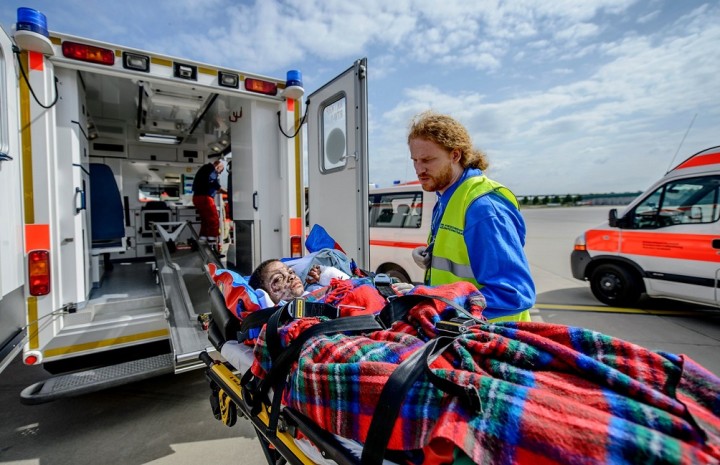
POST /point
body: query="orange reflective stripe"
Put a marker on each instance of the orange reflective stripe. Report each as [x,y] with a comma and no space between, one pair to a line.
[37,237]
[709,159]
[36,61]
[403,245]
[602,240]
[681,246]
[295,226]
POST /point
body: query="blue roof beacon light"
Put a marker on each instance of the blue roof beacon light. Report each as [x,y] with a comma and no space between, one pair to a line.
[293,85]
[31,31]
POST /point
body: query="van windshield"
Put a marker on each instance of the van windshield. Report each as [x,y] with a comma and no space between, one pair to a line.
[693,200]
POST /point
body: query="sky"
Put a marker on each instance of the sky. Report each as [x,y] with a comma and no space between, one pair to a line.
[565,97]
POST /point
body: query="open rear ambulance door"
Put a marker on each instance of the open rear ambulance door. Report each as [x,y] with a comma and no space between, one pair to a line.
[12,269]
[338,161]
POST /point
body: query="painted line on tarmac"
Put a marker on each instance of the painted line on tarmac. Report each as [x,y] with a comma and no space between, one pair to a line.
[595,308]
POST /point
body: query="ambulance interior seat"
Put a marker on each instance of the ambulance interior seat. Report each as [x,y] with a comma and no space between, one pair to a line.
[154,211]
[107,220]
[401,215]
[386,214]
[414,218]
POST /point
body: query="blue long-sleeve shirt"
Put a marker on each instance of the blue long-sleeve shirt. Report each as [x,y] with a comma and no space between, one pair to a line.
[494,236]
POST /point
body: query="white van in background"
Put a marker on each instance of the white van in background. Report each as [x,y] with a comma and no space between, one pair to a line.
[399,220]
[666,243]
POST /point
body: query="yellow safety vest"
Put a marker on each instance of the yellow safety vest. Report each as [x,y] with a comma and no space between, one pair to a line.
[450,260]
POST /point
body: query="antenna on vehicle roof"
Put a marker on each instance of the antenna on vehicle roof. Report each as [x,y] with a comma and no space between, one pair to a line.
[692,121]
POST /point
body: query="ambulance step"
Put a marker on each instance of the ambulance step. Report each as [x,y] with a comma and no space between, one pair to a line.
[83,382]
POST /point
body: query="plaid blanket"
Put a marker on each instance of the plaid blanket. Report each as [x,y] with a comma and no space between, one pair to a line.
[549,393]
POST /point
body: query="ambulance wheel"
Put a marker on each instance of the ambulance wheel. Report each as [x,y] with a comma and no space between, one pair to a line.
[615,285]
[397,273]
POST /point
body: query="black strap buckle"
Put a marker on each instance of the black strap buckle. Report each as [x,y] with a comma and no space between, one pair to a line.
[300,308]
[454,326]
[383,283]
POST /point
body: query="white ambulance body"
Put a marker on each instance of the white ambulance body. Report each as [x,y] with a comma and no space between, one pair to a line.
[666,243]
[95,134]
[400,218]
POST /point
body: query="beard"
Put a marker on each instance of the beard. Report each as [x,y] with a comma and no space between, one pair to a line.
[439,181]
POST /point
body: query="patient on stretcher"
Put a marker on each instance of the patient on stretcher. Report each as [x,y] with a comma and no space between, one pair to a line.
[495,393]
[282,284]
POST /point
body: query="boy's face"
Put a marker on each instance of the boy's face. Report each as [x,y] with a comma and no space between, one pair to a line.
[282,283]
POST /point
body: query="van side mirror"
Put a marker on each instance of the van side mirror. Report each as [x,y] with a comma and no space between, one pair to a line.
[612,218]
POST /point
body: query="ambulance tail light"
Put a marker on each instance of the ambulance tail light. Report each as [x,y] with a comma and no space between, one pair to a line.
[295,246]
[261,87]
[89,53]
[39,272]
[580,243]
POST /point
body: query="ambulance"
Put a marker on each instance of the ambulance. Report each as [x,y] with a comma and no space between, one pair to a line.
[103,277]
[666,243]
[400,217]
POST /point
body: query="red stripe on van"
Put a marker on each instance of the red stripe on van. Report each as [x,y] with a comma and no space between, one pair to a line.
[602,240]
[680,246]
[404,245]
[708,159]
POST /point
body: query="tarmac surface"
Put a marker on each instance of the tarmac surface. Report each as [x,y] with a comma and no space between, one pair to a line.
[167,420]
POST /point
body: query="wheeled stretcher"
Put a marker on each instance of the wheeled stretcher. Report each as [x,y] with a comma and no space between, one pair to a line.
[427,381]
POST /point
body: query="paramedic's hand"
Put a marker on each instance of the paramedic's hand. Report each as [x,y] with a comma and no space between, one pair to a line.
[421,257]
[313,275]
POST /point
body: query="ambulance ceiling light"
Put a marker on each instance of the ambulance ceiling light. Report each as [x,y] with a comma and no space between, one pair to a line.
[221,143]
[31,31]
[216,147]
[159,138]
[293,85]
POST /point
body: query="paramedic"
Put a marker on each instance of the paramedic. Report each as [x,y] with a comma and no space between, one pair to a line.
[477,232]
[205,185]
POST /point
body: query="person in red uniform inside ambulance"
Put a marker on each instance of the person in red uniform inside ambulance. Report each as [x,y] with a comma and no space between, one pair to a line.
[205,185]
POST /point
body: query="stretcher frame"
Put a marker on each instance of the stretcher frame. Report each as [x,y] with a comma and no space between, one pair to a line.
[228,403]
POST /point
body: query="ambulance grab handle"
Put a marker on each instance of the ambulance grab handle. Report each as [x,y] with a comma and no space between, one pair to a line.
[82,200]
[255,200]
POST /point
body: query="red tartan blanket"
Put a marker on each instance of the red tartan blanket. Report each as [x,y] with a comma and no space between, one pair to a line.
[549,393]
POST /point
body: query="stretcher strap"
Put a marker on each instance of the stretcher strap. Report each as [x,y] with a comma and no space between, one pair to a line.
[396,309]
[298,308]
[388,406]
[394,392]
[276,377]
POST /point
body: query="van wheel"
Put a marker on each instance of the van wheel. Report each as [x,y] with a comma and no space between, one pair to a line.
[397,273]
[615,285]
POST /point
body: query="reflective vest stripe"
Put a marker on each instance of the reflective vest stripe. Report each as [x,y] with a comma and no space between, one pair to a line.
[459,270]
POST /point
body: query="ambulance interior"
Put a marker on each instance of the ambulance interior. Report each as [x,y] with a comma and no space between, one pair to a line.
[145,141]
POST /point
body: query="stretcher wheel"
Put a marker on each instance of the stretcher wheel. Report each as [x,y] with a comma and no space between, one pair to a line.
[223,408]
[228,409]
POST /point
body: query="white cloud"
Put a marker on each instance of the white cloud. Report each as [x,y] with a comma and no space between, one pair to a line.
[558,92]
